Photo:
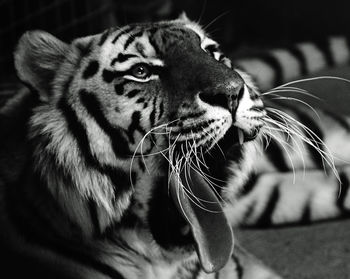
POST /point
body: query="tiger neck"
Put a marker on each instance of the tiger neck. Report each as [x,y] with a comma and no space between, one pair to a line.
[93,194]
[94,190]
[87,196]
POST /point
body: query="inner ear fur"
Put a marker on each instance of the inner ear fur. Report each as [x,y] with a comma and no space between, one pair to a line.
[37,57]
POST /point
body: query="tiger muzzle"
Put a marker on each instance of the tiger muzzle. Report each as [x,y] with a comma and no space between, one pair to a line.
[223,96]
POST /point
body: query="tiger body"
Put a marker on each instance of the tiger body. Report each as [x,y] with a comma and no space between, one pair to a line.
[87,187]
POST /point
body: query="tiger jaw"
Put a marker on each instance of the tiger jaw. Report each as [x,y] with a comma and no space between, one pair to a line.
[233,136]
[188,182]
[211,129]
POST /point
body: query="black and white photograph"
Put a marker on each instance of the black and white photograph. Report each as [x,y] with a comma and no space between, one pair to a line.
[174,139]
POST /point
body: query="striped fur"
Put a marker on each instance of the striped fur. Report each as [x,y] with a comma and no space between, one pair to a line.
[291,183]
[85,180]
[273,67]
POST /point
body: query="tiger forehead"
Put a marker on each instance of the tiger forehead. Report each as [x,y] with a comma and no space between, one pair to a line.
[160,37]
[174,30]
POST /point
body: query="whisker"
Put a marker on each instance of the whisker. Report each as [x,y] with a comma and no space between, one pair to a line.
[300,101]
[315,141]
[271,92]
[216,19]
[314,79]
[282,130]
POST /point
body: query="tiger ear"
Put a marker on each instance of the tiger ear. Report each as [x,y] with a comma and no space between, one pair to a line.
[183,16]
[37,57]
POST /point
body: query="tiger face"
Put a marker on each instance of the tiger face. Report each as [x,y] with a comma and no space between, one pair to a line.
[121,96]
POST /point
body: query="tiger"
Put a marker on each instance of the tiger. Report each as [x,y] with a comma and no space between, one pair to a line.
[136,152]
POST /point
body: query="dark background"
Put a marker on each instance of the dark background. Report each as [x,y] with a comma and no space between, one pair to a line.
[234,24]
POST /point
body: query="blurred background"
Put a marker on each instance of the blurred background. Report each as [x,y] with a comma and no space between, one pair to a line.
[235,24]
[320,251]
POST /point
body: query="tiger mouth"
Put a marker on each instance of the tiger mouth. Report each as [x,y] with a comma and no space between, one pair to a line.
[202,210]
[240,136]
[232,137]
[204,215]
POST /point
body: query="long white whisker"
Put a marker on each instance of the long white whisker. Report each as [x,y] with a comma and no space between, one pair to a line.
[315,141]
[282,129]
[276,93]
[314,79]
[300,101]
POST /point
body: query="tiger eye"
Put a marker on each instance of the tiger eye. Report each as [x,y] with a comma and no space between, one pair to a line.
[141,71]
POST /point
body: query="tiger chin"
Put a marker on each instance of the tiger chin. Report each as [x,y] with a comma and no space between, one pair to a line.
[128,135]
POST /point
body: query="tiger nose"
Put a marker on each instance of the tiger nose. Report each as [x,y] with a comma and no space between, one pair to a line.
[223,97]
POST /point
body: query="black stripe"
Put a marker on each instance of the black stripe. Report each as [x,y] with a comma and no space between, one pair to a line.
[104,37]
[108,76]
[77,130]
[152,116]
[306,216]
[249,184]
[276,156]
[119,87]
[344,190]
[249,210]
[94,217]
[161,110]
[122,32]
[119,143]
[324,46]
[308,121]
[135,125]
[298,54]
[142,165]
[140,100]
[132,38]
[118,177]
[154,44]
[265,218]
[133,93]
[122,58]
[347,37]
[91,69]
[239,267]
[275,65]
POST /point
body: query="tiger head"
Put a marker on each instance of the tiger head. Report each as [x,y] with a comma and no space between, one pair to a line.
[120,115]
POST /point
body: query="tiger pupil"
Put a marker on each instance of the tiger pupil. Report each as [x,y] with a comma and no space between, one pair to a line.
[140,71]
